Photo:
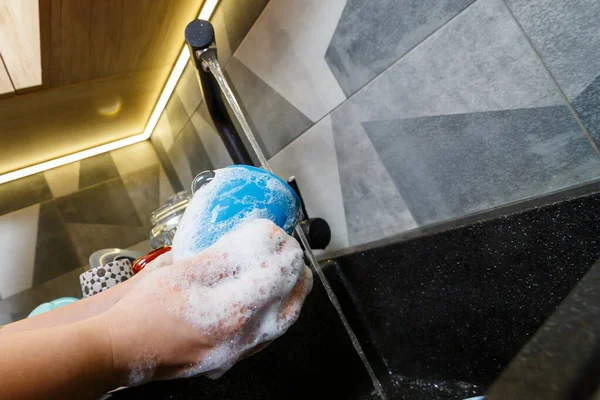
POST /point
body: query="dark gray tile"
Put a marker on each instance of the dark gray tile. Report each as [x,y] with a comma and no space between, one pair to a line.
[107,203]
[176,114]
[54,252]
[87,238]
[96,170]
[23,192]
[452,165]
[372,35]
[276,121]
[18,306]
[143,189]
[587,105]
[194,150]
[166,163]
[66,285]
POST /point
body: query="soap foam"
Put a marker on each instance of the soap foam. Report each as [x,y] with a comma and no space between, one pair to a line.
[199,218]
[236,292]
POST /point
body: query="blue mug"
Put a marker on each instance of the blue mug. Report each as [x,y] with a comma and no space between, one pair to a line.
[225,198]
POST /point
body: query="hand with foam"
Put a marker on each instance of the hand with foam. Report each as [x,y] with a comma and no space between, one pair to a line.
[201,314]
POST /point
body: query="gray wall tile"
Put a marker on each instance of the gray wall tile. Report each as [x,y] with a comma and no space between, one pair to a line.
[188,90]
[372,35]
[211,140]
[97,169]
[166,163]
[587,105]
[194,150]
[567,36]
[453,165]
[276,122]
[176,115]
[87,238]
[312,160]
[54,252]
[238,20]
[107,203]
[143,189]
[23,193]
[373,206]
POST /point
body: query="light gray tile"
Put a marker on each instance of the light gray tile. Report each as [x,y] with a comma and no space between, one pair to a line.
[165,189]
[479,61]
[163,132]
[372,35]
[285,48]
[453,165]
[232,21]
[176,115]
[276,122]
[135,157]
[167,164]
[372,205]
[210,138]
[311,158]
[188,89]
[18,233]
[567,36]
[63,180]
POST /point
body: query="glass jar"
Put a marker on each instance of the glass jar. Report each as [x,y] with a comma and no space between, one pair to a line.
[165,219]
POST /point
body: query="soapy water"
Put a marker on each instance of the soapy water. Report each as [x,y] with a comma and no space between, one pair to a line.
[243,292]
[211,63]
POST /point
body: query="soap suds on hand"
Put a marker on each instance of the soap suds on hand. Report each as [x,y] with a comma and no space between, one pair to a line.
[239,293]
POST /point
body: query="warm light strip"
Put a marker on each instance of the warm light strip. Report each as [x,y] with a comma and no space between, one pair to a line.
[205,13]
[57,162]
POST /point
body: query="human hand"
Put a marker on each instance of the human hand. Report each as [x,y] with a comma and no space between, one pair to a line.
[202,314]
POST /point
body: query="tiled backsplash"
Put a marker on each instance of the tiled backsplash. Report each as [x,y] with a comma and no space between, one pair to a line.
[399,114]
[51,222]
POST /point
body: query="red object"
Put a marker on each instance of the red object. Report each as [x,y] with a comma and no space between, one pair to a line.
[141,262]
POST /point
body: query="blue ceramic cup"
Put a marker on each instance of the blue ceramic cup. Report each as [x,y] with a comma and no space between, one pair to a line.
[225,198]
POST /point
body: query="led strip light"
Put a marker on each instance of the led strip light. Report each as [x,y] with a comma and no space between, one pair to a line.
[205,13]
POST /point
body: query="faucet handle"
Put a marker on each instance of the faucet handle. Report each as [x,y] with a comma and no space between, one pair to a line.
[199,35]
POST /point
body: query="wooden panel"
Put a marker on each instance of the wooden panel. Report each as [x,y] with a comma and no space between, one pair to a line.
[20,42]
[47,124]
[5,84]
[104,63]
[96,39]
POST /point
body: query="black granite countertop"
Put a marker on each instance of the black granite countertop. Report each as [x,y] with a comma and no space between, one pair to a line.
[439,316]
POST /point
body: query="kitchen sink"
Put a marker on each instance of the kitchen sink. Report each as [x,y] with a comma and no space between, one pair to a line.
[440,313]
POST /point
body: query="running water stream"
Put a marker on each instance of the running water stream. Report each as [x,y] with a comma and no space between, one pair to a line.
[211,63]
